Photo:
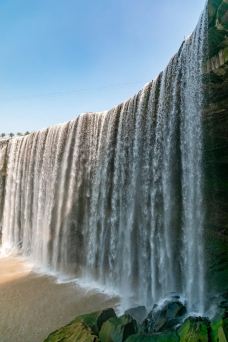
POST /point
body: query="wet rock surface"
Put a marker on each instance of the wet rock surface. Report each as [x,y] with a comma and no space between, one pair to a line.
[194,329]
[139,313]
[118,329]
[84,328]
[165,317]
[105,326]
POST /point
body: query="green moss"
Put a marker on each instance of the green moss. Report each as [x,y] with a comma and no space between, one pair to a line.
[194,330]
[73,332]
[84,328]
[164,337]
[95,320]
[118,329]
[219,330]
[222,16]
[218,25]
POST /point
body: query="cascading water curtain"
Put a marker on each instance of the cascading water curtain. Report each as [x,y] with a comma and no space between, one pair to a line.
[118,196]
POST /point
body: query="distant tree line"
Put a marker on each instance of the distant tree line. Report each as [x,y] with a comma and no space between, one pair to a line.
[11,135]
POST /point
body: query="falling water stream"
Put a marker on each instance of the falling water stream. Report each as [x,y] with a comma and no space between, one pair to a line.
[117,196]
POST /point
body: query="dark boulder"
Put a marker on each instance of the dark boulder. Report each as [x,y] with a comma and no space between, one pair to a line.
[139,313]
[164,317]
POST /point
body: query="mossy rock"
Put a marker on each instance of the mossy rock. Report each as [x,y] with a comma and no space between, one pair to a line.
[213,6]
[95,320]
[73,332]
[222,16]
[194,329]
[218,25]
[163,337]
[219,330]
[84,328]
[118,329]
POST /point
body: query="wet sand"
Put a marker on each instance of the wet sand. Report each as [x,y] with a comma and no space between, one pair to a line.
[33,305]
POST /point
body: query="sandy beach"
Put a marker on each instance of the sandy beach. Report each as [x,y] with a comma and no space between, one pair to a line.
[33,305]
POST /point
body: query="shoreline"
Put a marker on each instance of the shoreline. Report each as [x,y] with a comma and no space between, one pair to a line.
[32,305]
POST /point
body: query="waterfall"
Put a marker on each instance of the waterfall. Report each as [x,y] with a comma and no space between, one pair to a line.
[118,196]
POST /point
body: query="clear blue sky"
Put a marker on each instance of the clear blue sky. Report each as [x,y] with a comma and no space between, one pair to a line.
[59,58]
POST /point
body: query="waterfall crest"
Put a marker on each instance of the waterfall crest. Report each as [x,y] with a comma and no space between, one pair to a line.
[118,195]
